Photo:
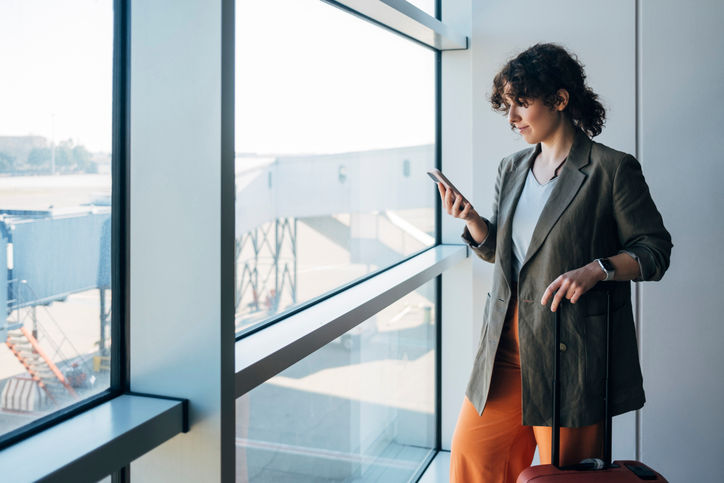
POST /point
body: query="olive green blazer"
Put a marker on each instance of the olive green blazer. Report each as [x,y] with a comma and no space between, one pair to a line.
[600,206]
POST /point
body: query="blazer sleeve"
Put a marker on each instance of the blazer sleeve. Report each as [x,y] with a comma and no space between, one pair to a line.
[486,248]
[640,226]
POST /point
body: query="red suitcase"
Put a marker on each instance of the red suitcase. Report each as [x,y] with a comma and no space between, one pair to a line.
[589,470]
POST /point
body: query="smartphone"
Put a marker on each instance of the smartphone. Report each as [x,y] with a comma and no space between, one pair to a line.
[437,176]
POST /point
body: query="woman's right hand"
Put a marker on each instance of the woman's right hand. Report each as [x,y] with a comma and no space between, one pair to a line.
[455,205]
[458,208]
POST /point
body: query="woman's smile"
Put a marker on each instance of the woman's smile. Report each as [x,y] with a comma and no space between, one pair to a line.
[535,121]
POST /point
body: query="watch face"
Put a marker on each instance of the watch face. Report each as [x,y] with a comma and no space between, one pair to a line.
[607,264]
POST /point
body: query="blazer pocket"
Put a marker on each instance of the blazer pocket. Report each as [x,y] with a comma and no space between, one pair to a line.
[595,346]
[593,303]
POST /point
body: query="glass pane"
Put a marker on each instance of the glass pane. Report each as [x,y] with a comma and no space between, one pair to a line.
[335,129]
[55,188]
[428,6]
[362,408]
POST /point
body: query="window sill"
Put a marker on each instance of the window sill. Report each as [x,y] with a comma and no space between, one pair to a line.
[97,442]
[266,353]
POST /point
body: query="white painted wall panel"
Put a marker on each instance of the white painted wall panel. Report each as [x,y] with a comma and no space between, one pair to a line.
[175,284]
[461,309]
[682,115]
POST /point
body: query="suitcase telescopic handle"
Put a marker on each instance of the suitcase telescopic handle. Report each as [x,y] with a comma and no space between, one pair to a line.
[556,432]
[607,422]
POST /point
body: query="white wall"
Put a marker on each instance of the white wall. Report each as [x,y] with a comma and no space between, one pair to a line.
[460,308]
[682,115]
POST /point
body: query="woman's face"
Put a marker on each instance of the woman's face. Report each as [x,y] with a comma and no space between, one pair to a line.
[535,121]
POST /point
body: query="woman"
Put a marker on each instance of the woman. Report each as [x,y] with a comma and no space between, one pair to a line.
[568,213]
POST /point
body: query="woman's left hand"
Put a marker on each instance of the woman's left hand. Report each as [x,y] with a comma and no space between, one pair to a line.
[573,284]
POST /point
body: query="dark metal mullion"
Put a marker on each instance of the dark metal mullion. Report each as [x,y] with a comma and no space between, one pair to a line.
[120,214]
[424,466]
[637,122]
[227,236]
[122,476]
[438,363]
[121,210]
[438,240]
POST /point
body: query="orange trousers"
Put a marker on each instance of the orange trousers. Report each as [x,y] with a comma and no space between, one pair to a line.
[495,446]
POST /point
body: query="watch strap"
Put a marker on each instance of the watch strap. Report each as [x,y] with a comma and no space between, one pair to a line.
[603,262]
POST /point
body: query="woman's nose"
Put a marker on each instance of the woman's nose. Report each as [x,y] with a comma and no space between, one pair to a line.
[513,114]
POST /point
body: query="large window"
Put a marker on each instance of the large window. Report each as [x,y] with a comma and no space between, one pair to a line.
[361,408]
[335,129]
[337,279]
[55,213]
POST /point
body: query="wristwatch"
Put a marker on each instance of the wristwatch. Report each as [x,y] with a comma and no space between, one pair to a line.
[607,267]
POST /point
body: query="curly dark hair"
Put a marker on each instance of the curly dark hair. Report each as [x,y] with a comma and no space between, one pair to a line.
[538,73]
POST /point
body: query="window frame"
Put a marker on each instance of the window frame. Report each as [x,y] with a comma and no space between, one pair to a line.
[251,373]
[416,25]
[119,240]
[175,417]
[110,452]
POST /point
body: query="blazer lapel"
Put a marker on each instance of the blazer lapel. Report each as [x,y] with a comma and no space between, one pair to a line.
[563,193]
[512,190]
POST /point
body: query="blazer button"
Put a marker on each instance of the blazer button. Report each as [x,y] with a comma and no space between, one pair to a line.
[563,347]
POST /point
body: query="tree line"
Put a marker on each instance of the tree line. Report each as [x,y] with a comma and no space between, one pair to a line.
[69,158]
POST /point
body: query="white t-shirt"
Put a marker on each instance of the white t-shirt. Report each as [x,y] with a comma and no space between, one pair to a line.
[530,205]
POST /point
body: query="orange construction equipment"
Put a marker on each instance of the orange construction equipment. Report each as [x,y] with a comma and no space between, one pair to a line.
[40,367]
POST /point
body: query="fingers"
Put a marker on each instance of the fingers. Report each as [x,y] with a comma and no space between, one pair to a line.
[573,288]
[578,293]
[466,211]
[453,203]
[445,197]
[457,206]
[442,191]
[569,285]
[557,289]
[557,298]
[550,291]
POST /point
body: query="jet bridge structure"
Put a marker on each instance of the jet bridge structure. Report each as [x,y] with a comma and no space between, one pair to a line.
[275,195]
[47,256]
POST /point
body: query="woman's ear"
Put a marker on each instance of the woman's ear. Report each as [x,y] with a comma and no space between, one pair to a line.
[563,99]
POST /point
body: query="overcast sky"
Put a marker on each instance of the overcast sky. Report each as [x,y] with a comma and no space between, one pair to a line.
[310,78]
[55,62]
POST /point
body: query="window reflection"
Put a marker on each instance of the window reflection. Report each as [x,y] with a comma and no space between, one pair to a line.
[361,408]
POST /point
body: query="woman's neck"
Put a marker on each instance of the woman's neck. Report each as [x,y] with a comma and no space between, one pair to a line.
[557,146]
